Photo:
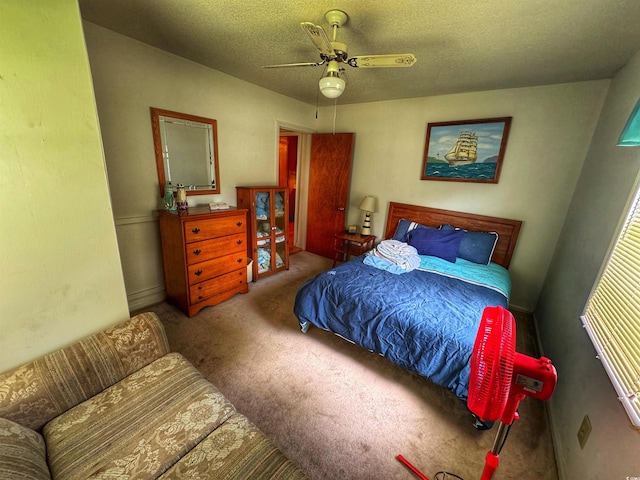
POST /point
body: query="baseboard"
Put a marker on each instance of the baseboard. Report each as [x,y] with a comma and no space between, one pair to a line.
[516,308]
[145,298]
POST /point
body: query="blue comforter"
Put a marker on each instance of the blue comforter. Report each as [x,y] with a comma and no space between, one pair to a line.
[425,320]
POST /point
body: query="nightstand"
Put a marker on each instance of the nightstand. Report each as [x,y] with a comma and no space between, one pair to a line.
[351,244]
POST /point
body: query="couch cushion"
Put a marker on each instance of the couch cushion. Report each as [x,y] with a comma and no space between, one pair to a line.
[22,453]
[34,393]
[236,450]
[139,427]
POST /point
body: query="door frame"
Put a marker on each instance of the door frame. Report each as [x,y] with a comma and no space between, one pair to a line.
[302,176]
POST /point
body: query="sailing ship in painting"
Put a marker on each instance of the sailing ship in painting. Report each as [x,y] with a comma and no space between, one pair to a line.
[465,150]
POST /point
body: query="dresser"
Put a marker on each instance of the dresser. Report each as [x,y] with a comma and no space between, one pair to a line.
[204,255]
[267,227]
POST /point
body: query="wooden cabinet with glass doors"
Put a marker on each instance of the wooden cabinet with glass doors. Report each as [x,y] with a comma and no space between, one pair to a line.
[268,228]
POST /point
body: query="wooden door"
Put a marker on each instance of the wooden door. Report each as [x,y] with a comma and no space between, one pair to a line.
[329,181]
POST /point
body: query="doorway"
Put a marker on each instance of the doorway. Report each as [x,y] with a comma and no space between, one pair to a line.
[317,167]
[287,177]
[293,160]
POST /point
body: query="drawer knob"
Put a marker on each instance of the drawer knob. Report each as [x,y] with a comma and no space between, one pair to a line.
[199,287]
[239,224]
[239,242]
[240,260]
[198,273]
[197,251]
[195,230]
[200,297]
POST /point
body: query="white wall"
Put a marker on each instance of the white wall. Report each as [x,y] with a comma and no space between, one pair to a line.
[129,77]
[550,134]
[605,185]
[61,276]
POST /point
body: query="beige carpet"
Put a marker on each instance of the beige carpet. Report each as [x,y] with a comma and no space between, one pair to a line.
[337,410]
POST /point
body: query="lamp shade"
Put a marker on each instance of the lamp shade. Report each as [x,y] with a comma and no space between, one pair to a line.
[368,204]
[331,86]
[630,136]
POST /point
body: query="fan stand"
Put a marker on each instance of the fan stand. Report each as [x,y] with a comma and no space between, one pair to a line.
[492,459]
[538,385]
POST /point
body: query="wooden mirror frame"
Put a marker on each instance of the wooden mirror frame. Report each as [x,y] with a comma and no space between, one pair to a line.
[156,113]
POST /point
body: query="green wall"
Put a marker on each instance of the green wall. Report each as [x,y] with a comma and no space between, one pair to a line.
[605,185]
[61,275]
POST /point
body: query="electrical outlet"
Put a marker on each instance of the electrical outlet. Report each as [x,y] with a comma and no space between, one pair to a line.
[584,431]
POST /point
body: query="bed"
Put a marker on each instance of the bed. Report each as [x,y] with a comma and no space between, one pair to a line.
[426,319]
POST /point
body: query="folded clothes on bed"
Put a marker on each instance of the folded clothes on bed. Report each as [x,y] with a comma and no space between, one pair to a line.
[393,256]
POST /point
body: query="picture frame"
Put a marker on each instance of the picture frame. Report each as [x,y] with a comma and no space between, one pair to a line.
[465,150]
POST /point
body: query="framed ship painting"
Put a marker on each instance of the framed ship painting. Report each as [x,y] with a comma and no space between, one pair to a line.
[465,150]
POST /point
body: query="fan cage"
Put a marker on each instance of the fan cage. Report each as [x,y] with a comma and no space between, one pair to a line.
[492,364]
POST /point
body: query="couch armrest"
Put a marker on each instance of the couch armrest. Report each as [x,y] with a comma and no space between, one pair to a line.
[23,453]
[38,391]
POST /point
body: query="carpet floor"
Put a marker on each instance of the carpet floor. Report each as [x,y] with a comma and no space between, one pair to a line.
[340,411]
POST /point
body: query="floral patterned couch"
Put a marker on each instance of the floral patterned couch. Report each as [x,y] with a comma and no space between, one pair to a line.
[119,405]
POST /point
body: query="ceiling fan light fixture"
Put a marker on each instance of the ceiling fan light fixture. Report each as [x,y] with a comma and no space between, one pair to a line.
[331,86]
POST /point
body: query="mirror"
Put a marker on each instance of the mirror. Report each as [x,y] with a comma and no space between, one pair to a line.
[186,148]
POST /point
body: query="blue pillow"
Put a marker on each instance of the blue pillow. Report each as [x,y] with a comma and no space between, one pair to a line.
[477,247]
[404,227]
[438,243]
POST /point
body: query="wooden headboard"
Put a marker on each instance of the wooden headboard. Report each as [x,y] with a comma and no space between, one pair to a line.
[506,229]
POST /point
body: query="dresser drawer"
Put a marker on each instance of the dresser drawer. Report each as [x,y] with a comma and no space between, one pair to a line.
[216,247]
[197,230]
[214,286]
[202,271]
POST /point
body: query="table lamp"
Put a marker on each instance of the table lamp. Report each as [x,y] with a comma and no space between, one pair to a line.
[368,205]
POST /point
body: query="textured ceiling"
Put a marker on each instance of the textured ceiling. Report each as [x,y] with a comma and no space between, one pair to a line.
[461,45]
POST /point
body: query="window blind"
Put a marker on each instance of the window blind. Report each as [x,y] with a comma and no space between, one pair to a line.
[612,315]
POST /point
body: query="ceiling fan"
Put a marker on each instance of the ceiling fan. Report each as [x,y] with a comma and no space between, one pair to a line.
[333,55]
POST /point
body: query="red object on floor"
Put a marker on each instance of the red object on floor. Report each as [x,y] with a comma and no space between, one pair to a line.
[420,475]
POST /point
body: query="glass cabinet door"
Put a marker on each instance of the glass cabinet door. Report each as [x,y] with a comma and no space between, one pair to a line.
[281,226]
[263,230]
[268,227]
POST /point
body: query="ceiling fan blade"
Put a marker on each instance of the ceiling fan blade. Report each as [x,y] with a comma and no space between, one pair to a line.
[377,61]
[319,38]
[303,64]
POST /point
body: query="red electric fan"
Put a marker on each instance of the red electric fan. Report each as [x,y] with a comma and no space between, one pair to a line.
[501,378]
